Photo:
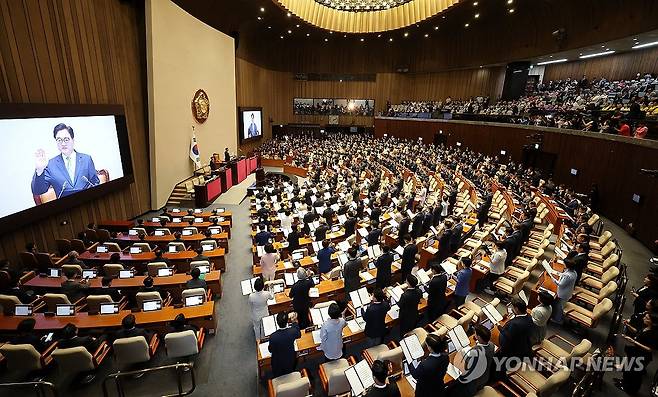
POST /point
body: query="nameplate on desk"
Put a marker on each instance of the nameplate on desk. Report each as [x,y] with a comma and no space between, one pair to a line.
[313,293]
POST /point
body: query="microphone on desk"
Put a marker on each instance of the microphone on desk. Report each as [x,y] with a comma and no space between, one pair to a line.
[88,181]
[63,187]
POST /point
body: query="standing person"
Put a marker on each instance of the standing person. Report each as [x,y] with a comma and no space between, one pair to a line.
[282,344]
[408,256]
[383,265]
[496,267]
[258,303]
[324,257]
[263,237]
[479,356]
[463,277]
[640,346]
[540,315]
[436,293]
[293,238]
[351,271]
[408,305]
[430,372]
[456,235]
[286,220]
[375,318]
[381,388]
[268,262]
[331,333]
[647,292]
[515,336]
[565,285]
[301,302]
[444,242]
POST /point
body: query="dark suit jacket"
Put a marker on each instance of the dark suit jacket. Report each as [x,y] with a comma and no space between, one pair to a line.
[375,318]
[373,236]
[351,275]
[299,294]
[408,258]
[481,352]
[262,237]
[444,245]
[391,390]
[515,337]
[429,376]
[436,296]
[403,228]
[350,226]
[198,283]
[293,241]
[321,232]
[417,225]
[56,175]
[85,341]
[409,309]
[383,264]
[29,339]
[282,347]
[129,333]
[73,289]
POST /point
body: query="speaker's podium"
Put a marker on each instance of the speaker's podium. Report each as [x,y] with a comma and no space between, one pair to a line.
[260,176]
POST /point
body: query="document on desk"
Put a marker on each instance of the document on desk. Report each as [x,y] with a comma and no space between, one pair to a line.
[363,232]
[313,293]
[316,317]
[269,325]
[264,349]
[560,254]
[423,277]
[548,268]
[453,371]
[284,244]
[317,246]
[393,223]
[341,218]
[412,348]
[396,292]
[291,278]
[344,245]
[492,314]
[271,302]
[394,312]
[449,267]
[288,265]
[355,326]
[316,337]
[523,296]
[459,338]
[366,276]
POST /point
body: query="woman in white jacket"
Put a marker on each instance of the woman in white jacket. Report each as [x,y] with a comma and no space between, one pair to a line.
[258,303]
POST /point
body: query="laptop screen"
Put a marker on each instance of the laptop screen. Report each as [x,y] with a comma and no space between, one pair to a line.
[204,269]
[158,233]
[132,232]
[125,273]
[91,273]
[207,247]
[52,272]
[65,310]
[156,219]
[172,248]
[194,300]
[198,220]
[135,250]
[187,232]
[23,310]
[149,306]
[101,249]
[214,231]
[165,272]
[109,308]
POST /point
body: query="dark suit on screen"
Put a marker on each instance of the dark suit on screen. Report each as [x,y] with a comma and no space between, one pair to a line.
[56,175]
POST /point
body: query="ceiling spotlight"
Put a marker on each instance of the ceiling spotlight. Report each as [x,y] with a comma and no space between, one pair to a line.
[436,28]
[511,11]
[308,34]
[391,39]
[330,32]
[326,39]
[344,35]
[297,25]
[406,34]
[475,3]
[467,25]
[288,14]
[262,9]
[361,39]
[603,46]
[281,36]
[427,35]
[289,31]
[269,27]
[480,66]
[476,16]
[259,18]
[379,35]
[510,1]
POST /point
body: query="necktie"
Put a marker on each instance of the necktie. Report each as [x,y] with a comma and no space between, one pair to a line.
[68,167]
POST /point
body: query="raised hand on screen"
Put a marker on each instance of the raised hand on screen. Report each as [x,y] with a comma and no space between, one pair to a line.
[40,161]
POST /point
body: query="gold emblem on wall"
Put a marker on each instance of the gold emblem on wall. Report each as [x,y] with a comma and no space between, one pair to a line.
[200,106]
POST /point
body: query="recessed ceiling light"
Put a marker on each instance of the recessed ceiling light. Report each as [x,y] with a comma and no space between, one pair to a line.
[480,66]
[281,36]
[467,25]
[580,53]
[288,14]
[361,39]
[427,35]
[511,10]
[443,17]
[262,9]
[308,34]
[510,1]
[269,27]
[436,28]
[326,39]
[379,35]
[475,3]
[289,31]
[635,38]
[297,25]
[596,54]
[344,35]
[259,18]
[390,39]
[406,34]
[550,56]
[330,32]
[603,46]
[476,16]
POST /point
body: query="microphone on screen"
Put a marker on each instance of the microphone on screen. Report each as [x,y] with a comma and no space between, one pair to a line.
[63,187]
[88,181]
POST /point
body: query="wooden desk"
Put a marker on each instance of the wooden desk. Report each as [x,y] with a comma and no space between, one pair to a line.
[205,215]
[216,256]
[544,281]
[201,316]
[114,225]
[175,226]
[176,281]
[125,240]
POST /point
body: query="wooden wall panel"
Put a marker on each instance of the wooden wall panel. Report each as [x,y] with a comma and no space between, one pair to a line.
[597,159]
[77,52]
[275,91]
[612,67]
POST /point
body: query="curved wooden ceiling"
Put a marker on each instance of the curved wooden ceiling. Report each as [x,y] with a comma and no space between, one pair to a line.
[335,20]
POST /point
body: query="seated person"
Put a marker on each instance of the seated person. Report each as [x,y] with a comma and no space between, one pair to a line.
[72,259]
[70,339]
[180,324]
[129,329]
[72,288]
[381,388]
[195,282]
[27,336]
[149,287]
[15,290]
[106,289]
[199,255]
[160,258]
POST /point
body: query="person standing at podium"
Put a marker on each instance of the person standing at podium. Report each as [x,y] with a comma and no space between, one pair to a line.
[227,155]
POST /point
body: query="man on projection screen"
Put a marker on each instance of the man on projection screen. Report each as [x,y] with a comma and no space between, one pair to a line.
[253,128]
[69,172]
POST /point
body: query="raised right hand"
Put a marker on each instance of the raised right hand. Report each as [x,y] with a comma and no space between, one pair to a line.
[40,161]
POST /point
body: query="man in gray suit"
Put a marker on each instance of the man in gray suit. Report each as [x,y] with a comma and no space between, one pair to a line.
[476,364]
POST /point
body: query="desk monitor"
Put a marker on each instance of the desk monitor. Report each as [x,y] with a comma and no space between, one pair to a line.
[89,273]
[135,250]
[276,288]
[159,233]
[176,220]
[132,232]
[151,305]
[175,210]
[172,248]
[194,300]
[23,310]
[198,220]
[219,210]
[297,256]
[198,210]
[109,308]
[165,272]
[207,247]
[65,310]
[156,220]
[214,231]
[126,274]
[54,272]
[187,232]
[488,324]
[204,269]
[101,249]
